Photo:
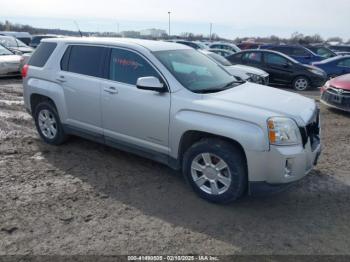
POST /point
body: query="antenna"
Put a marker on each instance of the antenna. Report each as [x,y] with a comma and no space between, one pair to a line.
[75,22]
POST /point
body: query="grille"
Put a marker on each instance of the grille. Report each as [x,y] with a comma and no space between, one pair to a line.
[266,80]
[335,98]
[312,131]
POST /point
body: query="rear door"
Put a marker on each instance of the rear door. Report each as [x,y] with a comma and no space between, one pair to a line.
[80,78]
[134,117]
[279,68]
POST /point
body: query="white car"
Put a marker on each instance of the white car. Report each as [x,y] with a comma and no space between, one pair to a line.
[226,46]
[9,63]
[241,72]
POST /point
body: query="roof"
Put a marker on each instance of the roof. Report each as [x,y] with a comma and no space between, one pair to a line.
[125,42]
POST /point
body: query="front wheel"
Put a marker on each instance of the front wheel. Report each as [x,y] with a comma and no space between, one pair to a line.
[216,170]
[301,83]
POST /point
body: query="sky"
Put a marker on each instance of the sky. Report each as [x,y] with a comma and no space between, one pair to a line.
[230,18]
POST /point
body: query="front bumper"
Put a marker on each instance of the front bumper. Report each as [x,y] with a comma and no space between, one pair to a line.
[318,81]
[339,100]
[283,167]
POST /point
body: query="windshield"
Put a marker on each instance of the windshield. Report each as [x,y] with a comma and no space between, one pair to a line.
[324,52]
[8,41]
[220,59]
[20,43]
[5,51]
[195,71]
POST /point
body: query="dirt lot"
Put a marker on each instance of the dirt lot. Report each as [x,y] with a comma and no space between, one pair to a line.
[85,198]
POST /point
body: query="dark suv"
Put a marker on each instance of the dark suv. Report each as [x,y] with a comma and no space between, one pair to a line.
[299,53]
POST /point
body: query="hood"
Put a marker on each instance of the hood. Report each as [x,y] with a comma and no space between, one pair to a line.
[341,82]
[250,69]
[267,101]
[11,59]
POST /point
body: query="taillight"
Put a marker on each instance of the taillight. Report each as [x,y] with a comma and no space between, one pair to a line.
[25,70]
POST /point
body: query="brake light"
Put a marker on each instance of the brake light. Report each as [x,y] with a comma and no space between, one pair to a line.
[25,70]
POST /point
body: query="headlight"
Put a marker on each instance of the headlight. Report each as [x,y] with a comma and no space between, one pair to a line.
[327,84]
[316,72]
[255,78]
[283,131]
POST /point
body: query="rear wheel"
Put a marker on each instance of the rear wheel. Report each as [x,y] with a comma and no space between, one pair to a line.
[216,170]
[48,123]
[301,83]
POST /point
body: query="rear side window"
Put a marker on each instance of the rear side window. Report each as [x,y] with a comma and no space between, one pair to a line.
[42,54]
[253,57]
[85,60]
[127,67]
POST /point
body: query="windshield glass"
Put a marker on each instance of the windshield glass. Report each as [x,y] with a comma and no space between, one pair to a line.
[322,51]
[20,43]
[5,51]
[195,71]
[220,59]
[8,41]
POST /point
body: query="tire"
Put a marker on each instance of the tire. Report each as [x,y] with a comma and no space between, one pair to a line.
[230,185]
[301,83]
[50,128]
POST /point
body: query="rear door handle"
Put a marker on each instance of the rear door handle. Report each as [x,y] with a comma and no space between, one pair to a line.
[111,90]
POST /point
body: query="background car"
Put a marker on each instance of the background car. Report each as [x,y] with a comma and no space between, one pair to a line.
[222,52]
[248,45]
[9,62]
[321,50]
[335,66]
[36,39]
[336,93]
[15,45]
[241,72]
[25,37]
[340,48]
[225,46]
[195,45]
[282,69]
[299,53]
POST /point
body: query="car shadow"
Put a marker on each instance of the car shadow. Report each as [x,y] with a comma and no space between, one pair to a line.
[302,217]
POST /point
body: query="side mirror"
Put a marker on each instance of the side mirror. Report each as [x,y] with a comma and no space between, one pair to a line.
[150,83]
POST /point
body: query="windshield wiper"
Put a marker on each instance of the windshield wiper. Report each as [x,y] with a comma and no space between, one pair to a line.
[215,90]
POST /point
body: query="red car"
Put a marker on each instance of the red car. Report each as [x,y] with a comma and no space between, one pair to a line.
[336,93]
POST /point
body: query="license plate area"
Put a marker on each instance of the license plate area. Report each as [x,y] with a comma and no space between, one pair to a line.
[337,99]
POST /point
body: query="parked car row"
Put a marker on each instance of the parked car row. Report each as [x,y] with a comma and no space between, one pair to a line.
[9,62]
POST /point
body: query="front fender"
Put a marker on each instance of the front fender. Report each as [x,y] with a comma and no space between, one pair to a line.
[249,135]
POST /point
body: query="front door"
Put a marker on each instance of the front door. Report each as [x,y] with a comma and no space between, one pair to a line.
[135,117]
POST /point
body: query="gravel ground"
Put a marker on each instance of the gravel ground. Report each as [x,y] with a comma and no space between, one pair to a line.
[85,198]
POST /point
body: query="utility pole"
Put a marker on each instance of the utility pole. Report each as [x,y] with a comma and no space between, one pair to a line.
[169,23]
[211,29]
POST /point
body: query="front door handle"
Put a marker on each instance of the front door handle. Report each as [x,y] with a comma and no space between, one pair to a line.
[61,79]
[111,90]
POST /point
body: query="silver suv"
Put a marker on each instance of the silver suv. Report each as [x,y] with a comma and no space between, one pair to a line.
[172,104]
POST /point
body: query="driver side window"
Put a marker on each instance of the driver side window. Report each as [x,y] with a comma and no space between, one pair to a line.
[126,67]
[273,59]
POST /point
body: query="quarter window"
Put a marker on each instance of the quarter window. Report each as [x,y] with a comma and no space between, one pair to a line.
[42,54]
[126,67]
